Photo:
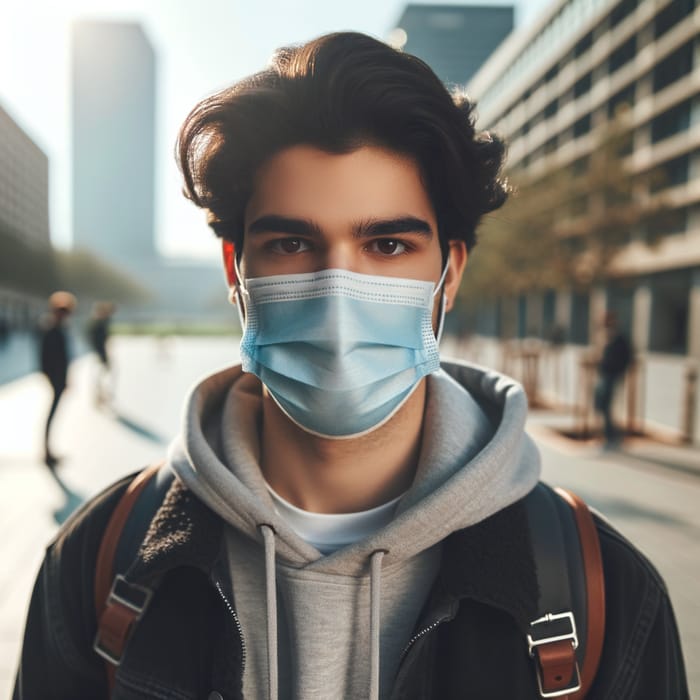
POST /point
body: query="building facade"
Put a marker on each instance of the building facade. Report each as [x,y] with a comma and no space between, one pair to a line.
[114,125]
[550,90]
[24,185]
[24,220]
[454,40]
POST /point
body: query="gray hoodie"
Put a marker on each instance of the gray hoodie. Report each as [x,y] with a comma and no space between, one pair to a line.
[335,626]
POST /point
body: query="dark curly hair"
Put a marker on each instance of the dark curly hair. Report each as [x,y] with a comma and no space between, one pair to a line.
[337,93]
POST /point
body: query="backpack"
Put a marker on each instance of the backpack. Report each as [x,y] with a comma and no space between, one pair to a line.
[564,641]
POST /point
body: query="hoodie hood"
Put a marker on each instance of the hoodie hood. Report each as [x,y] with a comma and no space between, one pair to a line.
[466,472]
[336,619]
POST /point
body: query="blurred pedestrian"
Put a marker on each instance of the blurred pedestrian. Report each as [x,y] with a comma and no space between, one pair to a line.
[98,336]
[55,358]
[614,363]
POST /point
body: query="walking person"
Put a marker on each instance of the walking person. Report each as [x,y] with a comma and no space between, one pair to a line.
[54,359]
[343,515]
[614,363]
[98,332]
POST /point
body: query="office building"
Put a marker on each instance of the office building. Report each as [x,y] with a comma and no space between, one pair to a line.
[551,89]
[114,109]
[24,222]
[454,40]
[24,185]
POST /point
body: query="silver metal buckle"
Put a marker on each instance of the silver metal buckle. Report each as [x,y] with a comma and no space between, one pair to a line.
[120,583]
[549,617]
[572,636]
[104,653]
[118,594]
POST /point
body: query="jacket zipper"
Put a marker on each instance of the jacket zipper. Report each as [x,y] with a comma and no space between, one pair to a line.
[244,651]
[422,633]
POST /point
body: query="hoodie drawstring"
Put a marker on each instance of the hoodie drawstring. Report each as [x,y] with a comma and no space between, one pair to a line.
[268,535]
[271,598]
[374,621]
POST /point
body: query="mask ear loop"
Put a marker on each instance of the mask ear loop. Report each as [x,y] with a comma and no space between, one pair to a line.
[237,293]
[439,288]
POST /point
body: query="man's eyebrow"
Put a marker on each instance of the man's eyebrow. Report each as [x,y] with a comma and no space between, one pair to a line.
[273,223]
[387,227]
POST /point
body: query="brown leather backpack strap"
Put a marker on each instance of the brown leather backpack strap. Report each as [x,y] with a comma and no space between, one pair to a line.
[115,613]
[595,590]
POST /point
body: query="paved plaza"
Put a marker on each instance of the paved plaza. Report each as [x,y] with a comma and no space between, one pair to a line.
[650,492]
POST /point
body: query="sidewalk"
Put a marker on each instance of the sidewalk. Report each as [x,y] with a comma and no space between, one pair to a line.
[659,513]
[98,447]
[547,426]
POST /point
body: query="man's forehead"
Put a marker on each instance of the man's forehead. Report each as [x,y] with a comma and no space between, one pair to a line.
[301,176]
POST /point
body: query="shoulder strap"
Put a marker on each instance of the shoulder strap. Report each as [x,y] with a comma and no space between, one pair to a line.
[595,588]
[565,640]
[118,603]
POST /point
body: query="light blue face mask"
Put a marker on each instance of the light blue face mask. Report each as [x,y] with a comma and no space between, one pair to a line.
[339,352]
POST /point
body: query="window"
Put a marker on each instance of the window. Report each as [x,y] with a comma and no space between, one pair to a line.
[622,54]
[623,97]
[671,15]
[583,45]
[551,73]
[671,122]
[673,172]
[670,305]
[673,67]
[582,85]
[537,119]
[488,319]
[551,109]
[580,311]
[582,126]
[522,316]
[549,301]
[670,223]
[621,11]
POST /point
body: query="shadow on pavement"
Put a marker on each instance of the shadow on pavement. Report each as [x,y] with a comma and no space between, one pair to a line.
[633,511]
[72,501]
[656,461]
[620,509]
[139,429]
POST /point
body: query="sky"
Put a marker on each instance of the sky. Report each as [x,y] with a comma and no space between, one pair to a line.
[200,47]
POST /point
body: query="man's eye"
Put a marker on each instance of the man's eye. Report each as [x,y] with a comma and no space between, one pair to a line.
[388,246]
[289,246]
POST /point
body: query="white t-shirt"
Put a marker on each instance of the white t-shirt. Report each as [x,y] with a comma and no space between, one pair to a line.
[329,532]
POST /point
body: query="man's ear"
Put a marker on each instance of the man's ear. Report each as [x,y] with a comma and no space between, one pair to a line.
[455,270]
[229,253]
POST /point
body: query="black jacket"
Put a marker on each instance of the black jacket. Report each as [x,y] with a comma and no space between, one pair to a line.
[54,355]
[470,641]
[617,356]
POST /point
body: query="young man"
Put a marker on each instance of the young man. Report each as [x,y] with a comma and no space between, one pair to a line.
[347,518]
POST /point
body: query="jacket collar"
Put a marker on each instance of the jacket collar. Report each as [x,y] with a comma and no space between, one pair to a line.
[491,562]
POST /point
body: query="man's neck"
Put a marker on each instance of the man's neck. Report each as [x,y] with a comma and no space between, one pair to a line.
[341,476]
